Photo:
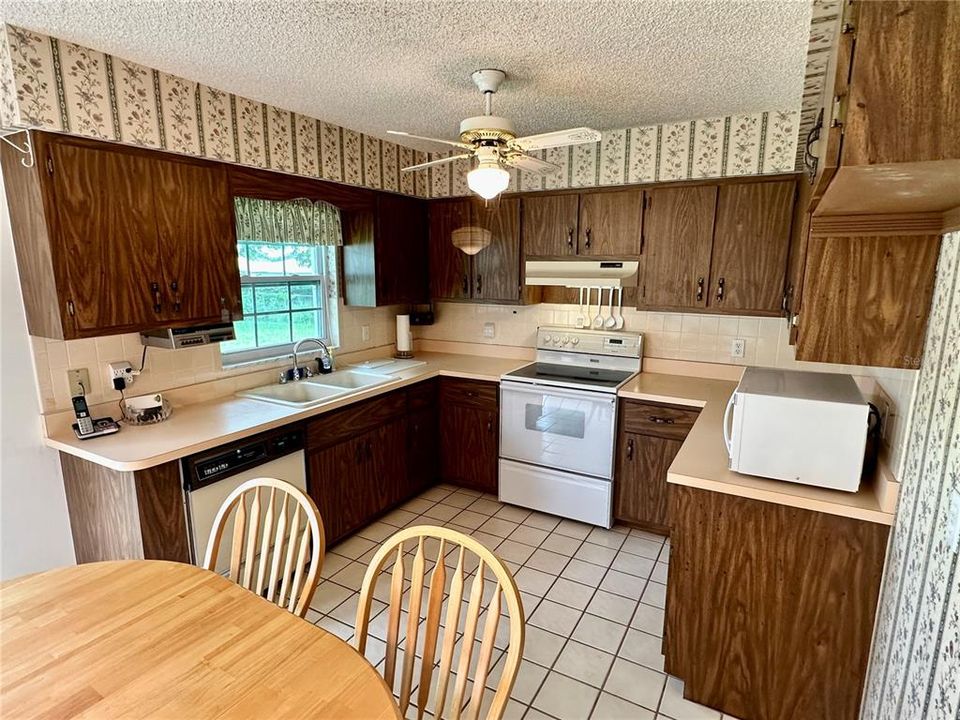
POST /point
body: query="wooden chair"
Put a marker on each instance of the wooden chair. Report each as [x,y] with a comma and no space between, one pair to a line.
[258,543]
[504,588]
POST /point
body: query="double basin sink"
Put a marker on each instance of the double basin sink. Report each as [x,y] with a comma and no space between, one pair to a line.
[318,389]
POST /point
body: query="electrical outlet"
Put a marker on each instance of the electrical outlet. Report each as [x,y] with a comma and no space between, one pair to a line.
[365,333]
[489,330]
[738,347]
[121,370]
[76,378]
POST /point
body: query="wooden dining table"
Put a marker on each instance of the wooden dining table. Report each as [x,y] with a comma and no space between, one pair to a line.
[151,639]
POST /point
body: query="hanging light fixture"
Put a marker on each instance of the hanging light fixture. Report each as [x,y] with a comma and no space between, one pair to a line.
[488,179]
[471,239]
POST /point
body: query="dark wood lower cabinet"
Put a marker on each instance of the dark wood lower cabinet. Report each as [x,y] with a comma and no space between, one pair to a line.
[469,433]
[770,608]
[650,437]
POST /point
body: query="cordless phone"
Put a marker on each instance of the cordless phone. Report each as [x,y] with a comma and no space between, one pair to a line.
[86,427]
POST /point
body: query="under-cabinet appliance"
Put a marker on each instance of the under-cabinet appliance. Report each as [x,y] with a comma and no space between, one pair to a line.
[581,273]
[803,427]
[558,419]
[174,338]
[209,477]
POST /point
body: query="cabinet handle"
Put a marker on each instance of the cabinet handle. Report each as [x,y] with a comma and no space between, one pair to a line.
[587,244]
[570,237]
[466,287]
[155,289]
[630,449]
[489,426]
[175,289]
[660,420]
[369,450]
[700,288]
[471,393]
[479,284]
[720,290]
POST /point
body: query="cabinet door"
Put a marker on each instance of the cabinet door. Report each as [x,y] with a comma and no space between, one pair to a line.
[866,299]
[385,478]
[198,241]
[401,250]
[550,225]
[640,486]
[107,238]
[468,440]
[750,242]
[422,457]
[496,268]
[449,266]
[677,239]
[335,476]
[610,223]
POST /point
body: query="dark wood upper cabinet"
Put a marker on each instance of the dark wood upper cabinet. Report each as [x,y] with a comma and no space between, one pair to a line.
[112,239]
[449,266]
[385,252]
[677,242]
[751,238]
[194,202]
[493,274]
[550,225]
[610,223]
[496,268]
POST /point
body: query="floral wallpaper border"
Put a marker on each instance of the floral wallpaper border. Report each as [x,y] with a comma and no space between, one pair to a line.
[53,84]
[915,661]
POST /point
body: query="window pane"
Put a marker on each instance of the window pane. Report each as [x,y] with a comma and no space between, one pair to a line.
[273,329]
[265,259]
[246,336]
[242,259]
[307,324]
[246,297]
[272,298]
[301,260]
[305,296]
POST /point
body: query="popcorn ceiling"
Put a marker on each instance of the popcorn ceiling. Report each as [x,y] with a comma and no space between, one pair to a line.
[374,66]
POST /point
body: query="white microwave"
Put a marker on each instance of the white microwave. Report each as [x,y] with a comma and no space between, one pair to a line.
[803,427]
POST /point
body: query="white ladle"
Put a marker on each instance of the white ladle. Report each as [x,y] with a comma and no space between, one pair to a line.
[611,322]
[598,318]
[619,321]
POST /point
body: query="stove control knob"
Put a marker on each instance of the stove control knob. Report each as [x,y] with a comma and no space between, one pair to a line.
[556,339]
[575,340]
[546,339]
[566,340]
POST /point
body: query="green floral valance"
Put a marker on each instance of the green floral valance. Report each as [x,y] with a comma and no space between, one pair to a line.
[302,221]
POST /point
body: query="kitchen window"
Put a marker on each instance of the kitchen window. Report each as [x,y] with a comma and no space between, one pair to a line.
[288,288]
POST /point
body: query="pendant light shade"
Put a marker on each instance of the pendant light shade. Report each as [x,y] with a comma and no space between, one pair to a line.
[471,239]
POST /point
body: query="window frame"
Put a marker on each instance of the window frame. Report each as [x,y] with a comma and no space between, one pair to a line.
[326,280]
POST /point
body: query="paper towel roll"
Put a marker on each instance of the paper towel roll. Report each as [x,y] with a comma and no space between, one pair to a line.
[403,333]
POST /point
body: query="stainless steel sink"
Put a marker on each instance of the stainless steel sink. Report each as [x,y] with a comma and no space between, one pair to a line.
[296,394]
[350,379]
[318,389]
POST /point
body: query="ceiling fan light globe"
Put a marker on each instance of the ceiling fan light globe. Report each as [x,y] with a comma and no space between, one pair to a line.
[488,182]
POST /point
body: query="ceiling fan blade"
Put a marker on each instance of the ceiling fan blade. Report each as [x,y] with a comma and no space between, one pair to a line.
[455,143]
[573,136]
[528,163]
[421,166]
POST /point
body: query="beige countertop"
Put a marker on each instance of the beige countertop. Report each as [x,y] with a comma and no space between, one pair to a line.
[703,462]
[197,427]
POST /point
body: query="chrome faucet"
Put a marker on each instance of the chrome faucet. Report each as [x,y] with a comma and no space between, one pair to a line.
[296,372]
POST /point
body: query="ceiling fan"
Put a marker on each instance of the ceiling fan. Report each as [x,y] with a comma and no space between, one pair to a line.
[493,143]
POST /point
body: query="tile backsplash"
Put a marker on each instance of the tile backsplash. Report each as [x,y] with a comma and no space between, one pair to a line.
[682,336]
[169,369]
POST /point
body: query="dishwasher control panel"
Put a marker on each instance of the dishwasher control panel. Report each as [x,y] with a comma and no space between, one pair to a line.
[209,466]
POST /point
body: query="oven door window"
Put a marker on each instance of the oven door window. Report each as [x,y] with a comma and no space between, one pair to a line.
[554,419]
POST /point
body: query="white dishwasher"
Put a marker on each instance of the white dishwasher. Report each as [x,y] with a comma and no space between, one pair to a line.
[209,477]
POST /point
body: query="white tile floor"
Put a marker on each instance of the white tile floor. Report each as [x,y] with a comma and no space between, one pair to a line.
[593,599]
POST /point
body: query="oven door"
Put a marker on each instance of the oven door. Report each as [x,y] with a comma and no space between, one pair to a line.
[571,430]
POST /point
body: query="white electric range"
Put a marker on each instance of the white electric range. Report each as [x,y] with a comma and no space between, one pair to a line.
[558,422]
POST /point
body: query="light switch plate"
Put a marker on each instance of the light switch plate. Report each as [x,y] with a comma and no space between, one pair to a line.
[365,333]
[75,378]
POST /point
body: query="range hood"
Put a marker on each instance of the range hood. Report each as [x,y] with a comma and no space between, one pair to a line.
[581,273]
